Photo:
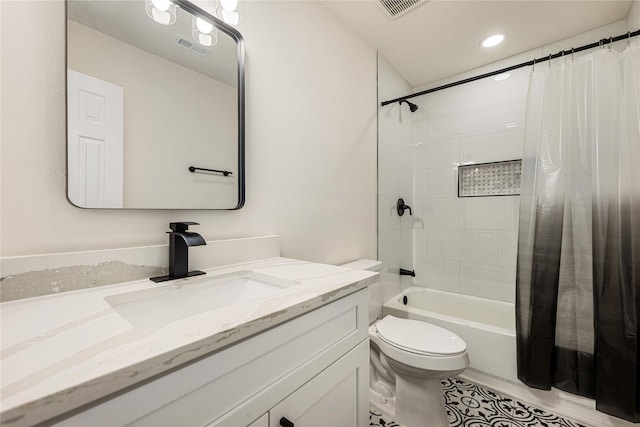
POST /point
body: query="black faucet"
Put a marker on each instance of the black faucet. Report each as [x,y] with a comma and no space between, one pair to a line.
[179,241]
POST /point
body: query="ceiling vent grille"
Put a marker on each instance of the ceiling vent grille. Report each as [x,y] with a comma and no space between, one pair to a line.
[397,8]
[192,46]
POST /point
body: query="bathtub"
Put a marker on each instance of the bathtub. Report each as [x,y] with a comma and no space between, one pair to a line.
[487,326]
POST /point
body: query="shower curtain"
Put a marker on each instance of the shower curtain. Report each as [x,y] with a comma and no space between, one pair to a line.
[578,275]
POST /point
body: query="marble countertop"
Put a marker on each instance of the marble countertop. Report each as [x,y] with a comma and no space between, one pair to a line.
[60,352]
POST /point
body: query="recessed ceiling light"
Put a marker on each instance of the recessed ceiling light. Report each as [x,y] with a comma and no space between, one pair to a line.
[493,40]
[503,76]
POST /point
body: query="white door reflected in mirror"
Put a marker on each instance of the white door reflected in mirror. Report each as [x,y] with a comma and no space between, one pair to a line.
[95,142]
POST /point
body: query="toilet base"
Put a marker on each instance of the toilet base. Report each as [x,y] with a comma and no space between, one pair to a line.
[420,402]
[386,407]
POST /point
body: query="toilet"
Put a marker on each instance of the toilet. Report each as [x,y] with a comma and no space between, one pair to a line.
[408,359]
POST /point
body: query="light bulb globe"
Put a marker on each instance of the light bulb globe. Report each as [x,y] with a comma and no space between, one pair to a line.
[204,26]
[161,5]
[229,5]
[231,18]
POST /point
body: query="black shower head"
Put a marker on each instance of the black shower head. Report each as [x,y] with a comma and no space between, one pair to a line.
[412,107]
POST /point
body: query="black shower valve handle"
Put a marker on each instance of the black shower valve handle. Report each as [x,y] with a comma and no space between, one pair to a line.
[401,207]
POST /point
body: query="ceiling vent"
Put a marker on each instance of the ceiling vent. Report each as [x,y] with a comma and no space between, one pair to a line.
[192,46]
[397,8]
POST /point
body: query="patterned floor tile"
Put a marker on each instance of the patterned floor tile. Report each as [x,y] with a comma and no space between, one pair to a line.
[377,419]
[529,416]
[469,405]
[466,401]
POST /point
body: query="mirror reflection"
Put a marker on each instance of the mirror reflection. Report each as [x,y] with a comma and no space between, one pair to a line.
[154,105]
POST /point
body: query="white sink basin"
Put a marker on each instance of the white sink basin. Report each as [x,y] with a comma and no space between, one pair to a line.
[184,298]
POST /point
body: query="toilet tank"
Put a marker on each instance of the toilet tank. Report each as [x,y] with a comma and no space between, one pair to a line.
[375,290]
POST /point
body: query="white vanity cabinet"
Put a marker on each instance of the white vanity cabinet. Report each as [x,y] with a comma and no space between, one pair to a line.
[338,396]
[312,370]
[330,398]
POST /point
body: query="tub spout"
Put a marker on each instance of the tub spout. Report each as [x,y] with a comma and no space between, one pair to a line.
[404,272]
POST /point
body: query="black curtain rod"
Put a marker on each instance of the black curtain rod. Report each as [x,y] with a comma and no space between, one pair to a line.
[534,61]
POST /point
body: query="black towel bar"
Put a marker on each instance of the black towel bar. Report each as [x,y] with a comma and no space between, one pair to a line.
[225,173]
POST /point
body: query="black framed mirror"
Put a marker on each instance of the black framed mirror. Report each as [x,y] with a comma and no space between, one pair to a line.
[155,106]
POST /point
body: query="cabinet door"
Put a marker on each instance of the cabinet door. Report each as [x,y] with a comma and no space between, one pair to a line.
[338,396]
[263,421]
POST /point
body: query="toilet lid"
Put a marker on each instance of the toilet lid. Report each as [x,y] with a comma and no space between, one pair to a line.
[419,337]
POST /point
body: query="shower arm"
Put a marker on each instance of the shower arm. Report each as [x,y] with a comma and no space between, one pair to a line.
[412,107]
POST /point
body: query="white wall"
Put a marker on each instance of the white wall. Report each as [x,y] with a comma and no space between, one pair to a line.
[633,20]
[395,234]
[311,140]
[469,245]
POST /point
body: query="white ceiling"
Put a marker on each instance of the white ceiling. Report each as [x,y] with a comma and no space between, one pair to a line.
[441,38]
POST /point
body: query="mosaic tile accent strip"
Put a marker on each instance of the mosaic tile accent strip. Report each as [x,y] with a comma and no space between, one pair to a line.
[469,405]
[490,179]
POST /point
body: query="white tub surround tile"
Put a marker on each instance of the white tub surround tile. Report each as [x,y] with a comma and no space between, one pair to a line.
[494,146]
[420,243]
[510,110]
[437,274]
[479,247]
[395,246]
[442,123]
[507,248]
[418,128]
[477,115]
[395,179]
[490,213]
[443,243]
[436,154]
[487,281]
[60,352]
[388,218]
[406,245]
[434,183]
[440,213]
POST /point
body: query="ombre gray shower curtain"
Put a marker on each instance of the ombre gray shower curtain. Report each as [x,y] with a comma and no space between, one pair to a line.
[578,275]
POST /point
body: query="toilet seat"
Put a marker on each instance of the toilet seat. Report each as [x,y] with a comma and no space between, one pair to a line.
[419,344]
[411,335]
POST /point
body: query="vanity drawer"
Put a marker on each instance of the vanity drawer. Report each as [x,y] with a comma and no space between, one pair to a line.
[205,390]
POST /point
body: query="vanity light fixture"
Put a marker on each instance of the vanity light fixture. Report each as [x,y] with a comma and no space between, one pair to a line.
[228,12]
[161,11]
[203,32]
[493,40]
